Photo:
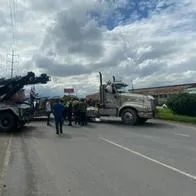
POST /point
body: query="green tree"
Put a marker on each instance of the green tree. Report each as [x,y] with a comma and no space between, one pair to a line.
[183,104]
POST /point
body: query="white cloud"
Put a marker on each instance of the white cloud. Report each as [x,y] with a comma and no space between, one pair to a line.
[63,40]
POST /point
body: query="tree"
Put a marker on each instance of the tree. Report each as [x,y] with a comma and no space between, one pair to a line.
[183,104]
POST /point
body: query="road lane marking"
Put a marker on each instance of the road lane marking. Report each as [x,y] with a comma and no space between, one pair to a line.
[5,164]
[150,159]
[183,135]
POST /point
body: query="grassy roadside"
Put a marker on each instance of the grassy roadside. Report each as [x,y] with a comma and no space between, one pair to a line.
[166,114]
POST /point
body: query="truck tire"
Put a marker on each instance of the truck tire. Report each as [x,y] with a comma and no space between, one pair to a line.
[129,116]
[7,121]
[142,121]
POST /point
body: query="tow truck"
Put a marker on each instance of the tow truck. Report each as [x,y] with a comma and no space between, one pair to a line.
[14,114]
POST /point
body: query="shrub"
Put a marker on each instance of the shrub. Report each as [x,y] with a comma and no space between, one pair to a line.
[167,114]
[183,104]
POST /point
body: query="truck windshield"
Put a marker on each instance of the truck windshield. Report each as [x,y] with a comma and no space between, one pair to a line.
[122,88]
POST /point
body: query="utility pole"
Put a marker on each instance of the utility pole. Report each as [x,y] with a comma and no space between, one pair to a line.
[12,68]
[132,85]
[75,91]
[11,59]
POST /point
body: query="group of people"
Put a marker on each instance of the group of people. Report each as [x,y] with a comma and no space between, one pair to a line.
[73,110]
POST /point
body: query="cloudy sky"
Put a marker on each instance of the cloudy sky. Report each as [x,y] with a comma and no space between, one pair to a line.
[151,42]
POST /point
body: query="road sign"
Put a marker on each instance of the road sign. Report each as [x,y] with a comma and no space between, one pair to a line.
[69,90]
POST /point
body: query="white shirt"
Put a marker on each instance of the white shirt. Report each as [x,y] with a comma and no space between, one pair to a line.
[109,88]
[48,106]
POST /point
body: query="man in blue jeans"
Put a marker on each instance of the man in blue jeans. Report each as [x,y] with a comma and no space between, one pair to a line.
[58,110]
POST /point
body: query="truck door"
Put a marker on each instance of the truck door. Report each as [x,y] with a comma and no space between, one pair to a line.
[111,100]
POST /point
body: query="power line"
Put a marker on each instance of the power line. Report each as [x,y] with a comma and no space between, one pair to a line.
[12,67]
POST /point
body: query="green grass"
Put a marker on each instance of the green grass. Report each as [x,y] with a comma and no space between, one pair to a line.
[166,114]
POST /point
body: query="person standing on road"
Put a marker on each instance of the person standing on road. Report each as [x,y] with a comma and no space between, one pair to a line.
[65,110]
[48,111]
[76,112]
[83,112]
[58,110]
[69,112]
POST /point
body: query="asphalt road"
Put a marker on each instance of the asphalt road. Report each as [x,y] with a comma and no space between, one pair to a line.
[156,159]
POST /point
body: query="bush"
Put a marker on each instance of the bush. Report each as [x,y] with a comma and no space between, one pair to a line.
[166,114]
[183,104]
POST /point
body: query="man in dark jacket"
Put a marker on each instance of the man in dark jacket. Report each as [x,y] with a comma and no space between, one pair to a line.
[58,110]
[83,112]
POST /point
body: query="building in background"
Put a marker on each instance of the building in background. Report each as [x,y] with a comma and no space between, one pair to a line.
[94,97]
[160,93]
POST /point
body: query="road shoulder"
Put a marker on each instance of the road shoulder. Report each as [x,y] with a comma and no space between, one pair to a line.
[189,125]
[5,142]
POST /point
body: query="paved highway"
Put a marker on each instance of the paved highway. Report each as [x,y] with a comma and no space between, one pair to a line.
[156,159]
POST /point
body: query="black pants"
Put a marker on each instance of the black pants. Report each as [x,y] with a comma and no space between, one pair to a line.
[65,114]
[70,118]
[82,116]
[48,118]
[85,118]
[59,125]
[77,118]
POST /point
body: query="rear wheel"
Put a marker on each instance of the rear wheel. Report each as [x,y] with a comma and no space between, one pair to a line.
[129,116]
[7,121]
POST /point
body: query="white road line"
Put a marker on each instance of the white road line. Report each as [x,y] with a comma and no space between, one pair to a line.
[6,162]
[183,135]
[150,159]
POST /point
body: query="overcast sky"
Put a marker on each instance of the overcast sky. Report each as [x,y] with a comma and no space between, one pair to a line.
[151,42]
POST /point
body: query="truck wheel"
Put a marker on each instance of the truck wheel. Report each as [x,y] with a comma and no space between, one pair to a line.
[142,121]
[7,121]
[129,116]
